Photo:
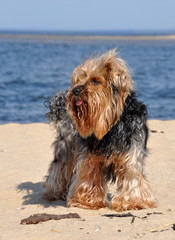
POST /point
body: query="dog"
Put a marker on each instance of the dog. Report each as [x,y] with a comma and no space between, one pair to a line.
[101,137]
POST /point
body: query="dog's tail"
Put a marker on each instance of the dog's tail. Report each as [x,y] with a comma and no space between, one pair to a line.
[57,107]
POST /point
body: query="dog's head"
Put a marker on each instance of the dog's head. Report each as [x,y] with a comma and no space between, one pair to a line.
[98,92]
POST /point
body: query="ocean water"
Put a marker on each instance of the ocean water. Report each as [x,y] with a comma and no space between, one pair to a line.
[33,70]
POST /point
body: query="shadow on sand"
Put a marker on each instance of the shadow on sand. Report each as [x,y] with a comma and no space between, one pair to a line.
[34,195]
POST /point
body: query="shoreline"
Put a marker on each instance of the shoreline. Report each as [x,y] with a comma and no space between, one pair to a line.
[86,37]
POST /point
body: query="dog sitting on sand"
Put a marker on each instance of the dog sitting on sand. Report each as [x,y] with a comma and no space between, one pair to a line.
[101,137]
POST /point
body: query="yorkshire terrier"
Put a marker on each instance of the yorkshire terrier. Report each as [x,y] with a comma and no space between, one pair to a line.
[101,136]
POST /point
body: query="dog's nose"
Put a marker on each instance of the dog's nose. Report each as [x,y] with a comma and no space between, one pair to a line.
[77,90]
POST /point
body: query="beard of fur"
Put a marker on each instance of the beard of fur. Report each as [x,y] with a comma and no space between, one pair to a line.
[108,110]
[79,114]
[98,113]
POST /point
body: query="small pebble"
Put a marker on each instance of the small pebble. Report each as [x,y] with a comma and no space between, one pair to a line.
[20,208]
[3,150]
[169,210]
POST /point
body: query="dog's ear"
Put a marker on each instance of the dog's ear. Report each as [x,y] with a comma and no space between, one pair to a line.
[123,83]
[119,77]
[107,68]
[116,72]
[75,75]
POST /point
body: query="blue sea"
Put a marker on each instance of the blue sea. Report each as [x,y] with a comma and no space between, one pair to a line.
[32,70]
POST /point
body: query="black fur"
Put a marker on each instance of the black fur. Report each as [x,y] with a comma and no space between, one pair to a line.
[130,130]
[121,136]
[66,133]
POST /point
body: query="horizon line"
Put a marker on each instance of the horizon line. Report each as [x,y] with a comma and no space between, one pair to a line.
[170,31]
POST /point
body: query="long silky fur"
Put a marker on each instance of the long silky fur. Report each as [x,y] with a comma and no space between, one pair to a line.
[102,140]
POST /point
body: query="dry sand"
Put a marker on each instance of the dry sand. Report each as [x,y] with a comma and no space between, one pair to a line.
[25,153]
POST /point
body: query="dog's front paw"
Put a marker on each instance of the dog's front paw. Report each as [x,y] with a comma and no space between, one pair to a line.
[87,203]
[124,203]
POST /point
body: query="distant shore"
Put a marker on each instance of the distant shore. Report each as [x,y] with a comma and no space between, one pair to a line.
[85,37]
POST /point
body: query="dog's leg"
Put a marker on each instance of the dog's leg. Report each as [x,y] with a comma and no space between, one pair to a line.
[133,189]
[61,169]
[58,180]
[88,188]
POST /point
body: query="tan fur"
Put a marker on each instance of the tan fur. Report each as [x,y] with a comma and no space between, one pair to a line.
[133,189]
[80,178]
[88,188]
[59,177]
[111,72]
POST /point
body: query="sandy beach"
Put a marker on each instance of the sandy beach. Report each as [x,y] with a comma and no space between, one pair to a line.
[25,154]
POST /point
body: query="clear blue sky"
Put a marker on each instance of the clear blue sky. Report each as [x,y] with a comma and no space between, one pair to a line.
[55,15]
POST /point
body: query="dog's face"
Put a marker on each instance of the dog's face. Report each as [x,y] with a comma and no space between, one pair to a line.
[99,89]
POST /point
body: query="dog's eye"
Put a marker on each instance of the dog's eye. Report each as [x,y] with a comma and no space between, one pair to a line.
[94,81]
